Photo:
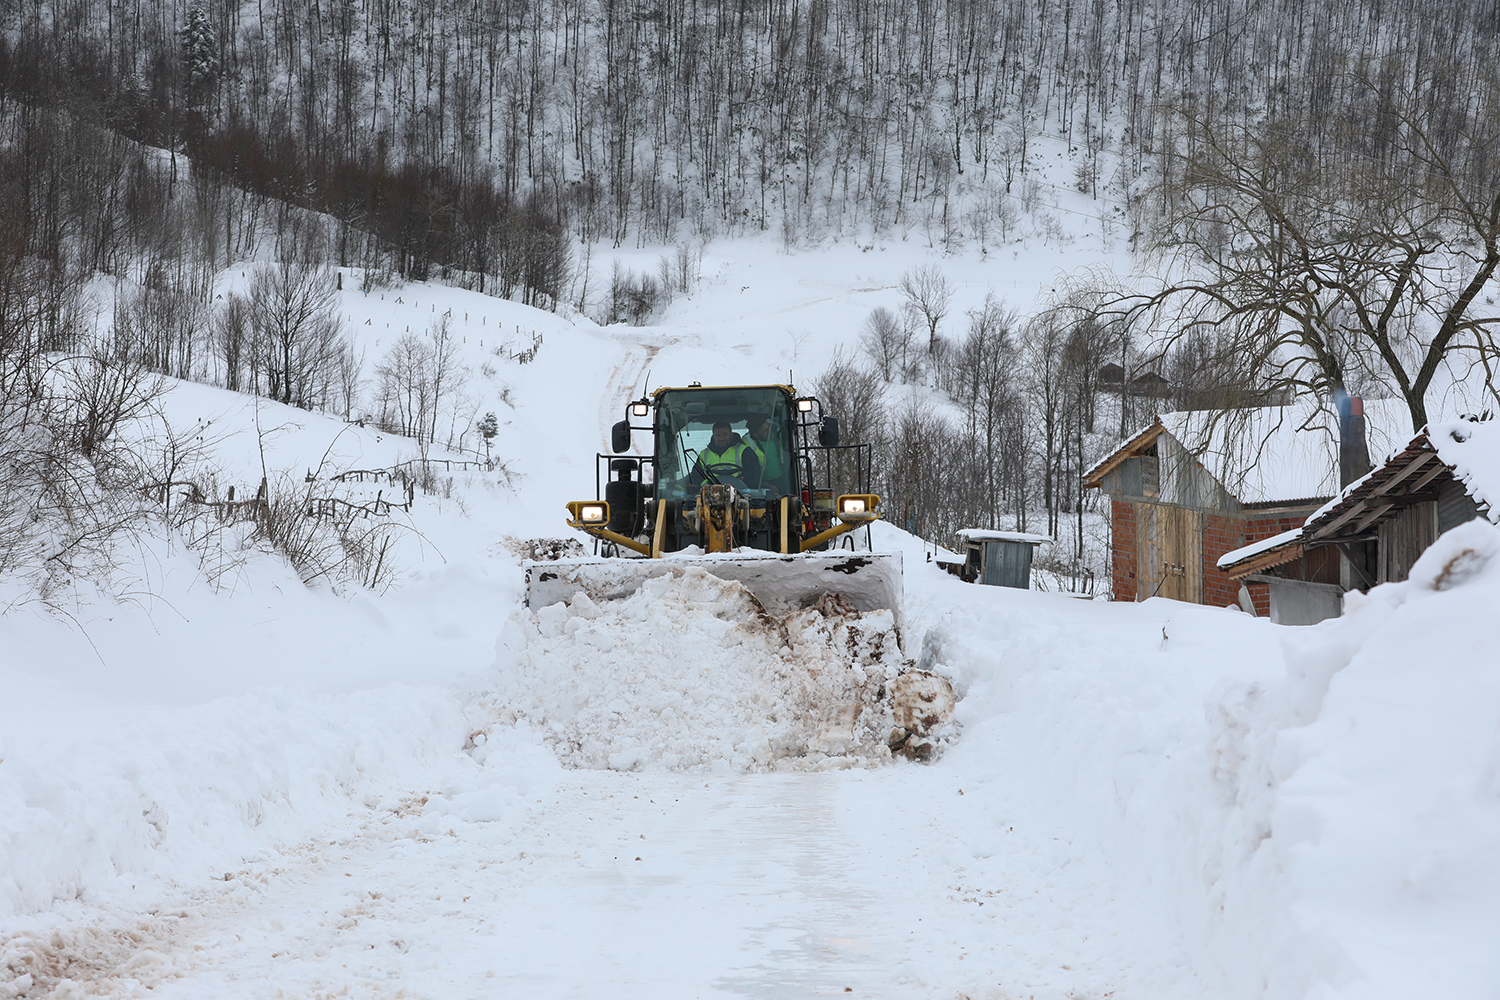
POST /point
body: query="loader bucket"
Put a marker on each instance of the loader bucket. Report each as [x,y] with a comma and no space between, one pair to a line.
[871,581]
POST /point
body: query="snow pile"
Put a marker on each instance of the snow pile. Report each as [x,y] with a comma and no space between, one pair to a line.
[1313,809]
[88,812]
[1359,859]
[1472,447]
[692,672]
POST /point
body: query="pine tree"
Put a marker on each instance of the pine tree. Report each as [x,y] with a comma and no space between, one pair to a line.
[199,55]
[489,427]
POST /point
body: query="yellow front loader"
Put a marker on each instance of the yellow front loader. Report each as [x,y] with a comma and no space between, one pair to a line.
[740,481]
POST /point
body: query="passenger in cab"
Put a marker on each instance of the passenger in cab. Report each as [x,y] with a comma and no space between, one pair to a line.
[769,464]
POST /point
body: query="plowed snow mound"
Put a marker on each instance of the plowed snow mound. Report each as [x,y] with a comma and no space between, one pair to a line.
[693,673]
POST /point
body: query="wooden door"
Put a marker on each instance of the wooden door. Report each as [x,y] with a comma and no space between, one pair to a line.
[1169,556]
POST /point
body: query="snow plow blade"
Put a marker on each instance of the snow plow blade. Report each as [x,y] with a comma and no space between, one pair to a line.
[871,581]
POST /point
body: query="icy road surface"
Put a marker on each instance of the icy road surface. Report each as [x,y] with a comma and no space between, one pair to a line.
[618,885]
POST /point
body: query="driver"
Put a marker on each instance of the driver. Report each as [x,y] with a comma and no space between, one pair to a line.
[726,449]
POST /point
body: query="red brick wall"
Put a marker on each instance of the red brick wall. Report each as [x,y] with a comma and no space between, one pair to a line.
[1260,596]
[1264,524]
[1260,524]
[1221,533]
[1122,548]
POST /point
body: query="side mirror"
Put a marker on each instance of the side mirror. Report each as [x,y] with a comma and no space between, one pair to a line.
[828,434]
[619,438]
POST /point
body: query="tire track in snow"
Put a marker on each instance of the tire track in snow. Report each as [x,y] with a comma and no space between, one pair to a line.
[664,885]
[624,379]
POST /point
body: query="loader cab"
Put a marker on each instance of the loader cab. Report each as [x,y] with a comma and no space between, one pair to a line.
[684,428]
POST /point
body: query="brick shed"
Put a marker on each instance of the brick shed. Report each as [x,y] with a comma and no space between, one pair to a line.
[1196,485]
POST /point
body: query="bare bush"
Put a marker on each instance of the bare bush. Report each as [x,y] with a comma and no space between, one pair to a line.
[326,549]
[102,390]
[633,298]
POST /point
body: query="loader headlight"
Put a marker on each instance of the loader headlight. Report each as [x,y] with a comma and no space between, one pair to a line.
[804,405]
[588,513]
[858,507]
[640,409]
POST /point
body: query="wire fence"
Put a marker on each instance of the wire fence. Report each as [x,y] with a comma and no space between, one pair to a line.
[409,475]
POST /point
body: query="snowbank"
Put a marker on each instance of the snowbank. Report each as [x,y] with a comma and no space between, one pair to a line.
[173,792]
[1310,811]
[1314,809]
[1358,858]
[692,673]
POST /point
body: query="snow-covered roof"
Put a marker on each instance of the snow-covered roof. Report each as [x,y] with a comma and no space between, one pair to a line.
[985,535]
[1126,447]
[946,557]
[1256,548]
[1472,448]
[1279,453]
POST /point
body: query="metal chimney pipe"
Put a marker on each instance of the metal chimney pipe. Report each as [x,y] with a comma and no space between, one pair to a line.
[1354,449]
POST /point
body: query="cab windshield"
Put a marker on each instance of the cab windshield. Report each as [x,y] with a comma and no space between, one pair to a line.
[741,437]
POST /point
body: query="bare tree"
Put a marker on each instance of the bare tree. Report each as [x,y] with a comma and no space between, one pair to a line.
[448,376]
[351,379]
[294,312]
[1049,387]
[928,294]
[1314,269]
[887,340]
[404,386]
[231,333]
[984,370]
[854,394]
[917,471]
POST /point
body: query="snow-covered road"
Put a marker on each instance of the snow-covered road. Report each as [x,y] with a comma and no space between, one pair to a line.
[611,885]
[1146,801]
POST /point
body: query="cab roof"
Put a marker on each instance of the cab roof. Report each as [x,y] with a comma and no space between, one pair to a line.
[711,388]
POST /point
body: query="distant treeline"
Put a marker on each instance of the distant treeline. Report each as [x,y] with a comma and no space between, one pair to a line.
[77,184]
[431,123]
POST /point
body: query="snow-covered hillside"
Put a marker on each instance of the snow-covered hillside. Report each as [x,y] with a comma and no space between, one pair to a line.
[256,788]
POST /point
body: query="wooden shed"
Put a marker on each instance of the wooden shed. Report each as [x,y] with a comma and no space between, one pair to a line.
[998,558]
[1378,527]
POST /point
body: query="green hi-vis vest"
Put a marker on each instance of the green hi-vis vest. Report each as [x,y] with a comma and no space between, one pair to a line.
[769,453]
[729,456]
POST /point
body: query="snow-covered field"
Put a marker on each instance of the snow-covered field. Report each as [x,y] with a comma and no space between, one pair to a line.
[259,790]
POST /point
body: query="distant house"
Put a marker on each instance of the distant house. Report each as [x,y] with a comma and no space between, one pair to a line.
[1196,485]
[1111,378]
[1377,527]
[1150,384]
